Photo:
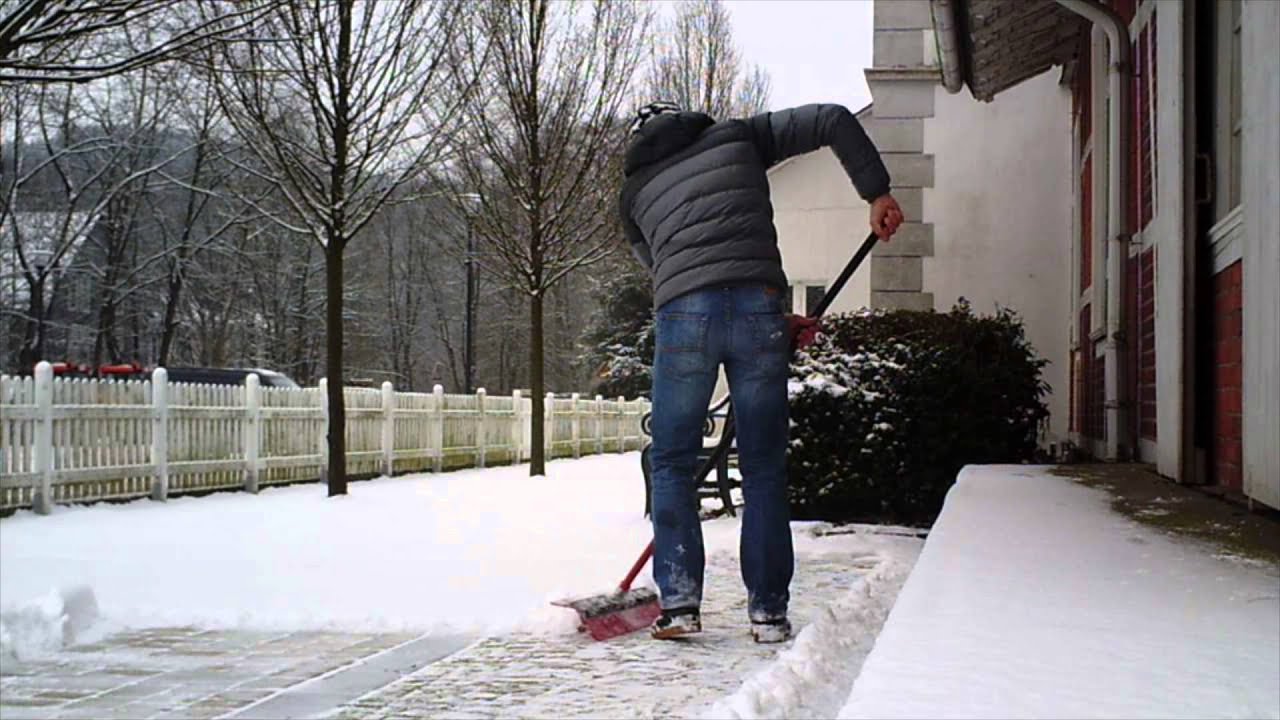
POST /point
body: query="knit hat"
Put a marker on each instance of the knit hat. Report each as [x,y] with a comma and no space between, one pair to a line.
[650,111]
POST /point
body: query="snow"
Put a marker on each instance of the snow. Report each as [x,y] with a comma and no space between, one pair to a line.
[1032,598]
[470,551]
[48,623]
[812,677]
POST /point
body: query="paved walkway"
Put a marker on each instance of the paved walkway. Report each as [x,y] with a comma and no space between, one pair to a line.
[528,676]
[192,673]
[189,673]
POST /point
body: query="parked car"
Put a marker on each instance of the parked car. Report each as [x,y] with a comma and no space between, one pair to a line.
[229,376]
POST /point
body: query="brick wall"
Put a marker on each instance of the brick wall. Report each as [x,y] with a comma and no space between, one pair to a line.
[1227,339]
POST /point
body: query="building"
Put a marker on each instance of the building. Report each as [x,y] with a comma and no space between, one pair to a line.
[1142,247]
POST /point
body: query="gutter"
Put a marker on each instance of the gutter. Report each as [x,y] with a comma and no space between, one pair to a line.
[947,33]
[1119,75]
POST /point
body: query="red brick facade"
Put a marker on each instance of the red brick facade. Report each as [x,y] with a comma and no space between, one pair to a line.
[1227,341]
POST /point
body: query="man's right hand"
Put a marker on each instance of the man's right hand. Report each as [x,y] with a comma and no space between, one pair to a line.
[886,216]
[804,330]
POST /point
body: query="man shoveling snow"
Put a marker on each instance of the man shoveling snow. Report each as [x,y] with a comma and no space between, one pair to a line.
[697,213]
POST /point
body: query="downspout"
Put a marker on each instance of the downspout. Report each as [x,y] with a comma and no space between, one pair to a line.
[948,37]
[1119,76]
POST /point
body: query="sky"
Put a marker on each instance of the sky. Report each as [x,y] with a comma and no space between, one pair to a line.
[814,50]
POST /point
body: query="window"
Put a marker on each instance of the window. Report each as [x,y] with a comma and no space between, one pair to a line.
[1229,121]
[1236,117]
[1143,198]
[812,296]
[803,297]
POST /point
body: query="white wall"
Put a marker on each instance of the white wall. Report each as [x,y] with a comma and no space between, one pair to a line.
[1001,208]
[1260,27]
[821,222]
[1168,232]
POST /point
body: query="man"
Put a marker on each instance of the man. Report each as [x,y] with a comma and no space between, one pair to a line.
[697,213]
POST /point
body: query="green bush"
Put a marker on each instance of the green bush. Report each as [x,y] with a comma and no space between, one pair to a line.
[888,406]
[619,341]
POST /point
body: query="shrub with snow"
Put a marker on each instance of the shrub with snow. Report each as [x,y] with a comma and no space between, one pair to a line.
[888,406]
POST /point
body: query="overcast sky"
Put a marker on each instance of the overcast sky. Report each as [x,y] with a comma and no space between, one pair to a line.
[814,50]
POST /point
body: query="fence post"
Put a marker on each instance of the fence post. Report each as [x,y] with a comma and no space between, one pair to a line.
[160,433]
[323,388]
[549,425]
[388,428]
[576,434]
[42,456]
[517,427]
[481,434]
[621,425]
[599,424]
[252,428]
[438,427]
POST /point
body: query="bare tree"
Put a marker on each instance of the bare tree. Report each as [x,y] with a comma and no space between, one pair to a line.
[203,213]
[65,174]
[84,40]
[133,109]
[538,148]
[695,63]
[344,107]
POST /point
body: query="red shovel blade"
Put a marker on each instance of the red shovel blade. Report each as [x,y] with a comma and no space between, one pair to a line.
[605,627]
[616,614]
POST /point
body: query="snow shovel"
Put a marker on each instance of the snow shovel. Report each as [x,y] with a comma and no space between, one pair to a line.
[628,609]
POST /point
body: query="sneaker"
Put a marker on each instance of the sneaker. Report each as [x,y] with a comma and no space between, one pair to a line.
[772,631]
[677,622]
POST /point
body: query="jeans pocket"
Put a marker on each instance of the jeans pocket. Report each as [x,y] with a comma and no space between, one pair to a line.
[770,332]
[681,332]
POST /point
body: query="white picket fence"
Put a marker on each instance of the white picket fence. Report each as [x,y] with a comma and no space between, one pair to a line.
[65,440]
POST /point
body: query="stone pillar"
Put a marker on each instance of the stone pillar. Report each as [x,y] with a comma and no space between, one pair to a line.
[903,79]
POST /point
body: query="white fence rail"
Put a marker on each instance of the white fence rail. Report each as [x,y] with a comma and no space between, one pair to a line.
[78,440]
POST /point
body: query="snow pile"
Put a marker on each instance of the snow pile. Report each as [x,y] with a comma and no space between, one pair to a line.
[471,551]
[1032,598]
[814,675]
[47,623]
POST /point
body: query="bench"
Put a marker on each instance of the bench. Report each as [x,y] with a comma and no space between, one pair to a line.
[721,486]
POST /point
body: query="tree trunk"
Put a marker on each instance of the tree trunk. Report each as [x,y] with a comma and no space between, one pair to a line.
[333,334]
[33,329]
[537,458]
[170,327]
[104,342]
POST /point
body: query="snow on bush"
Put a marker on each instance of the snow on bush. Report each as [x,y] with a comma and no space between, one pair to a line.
[888,406]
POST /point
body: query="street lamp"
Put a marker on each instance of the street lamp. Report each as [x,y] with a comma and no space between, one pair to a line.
[40,258]
[469,350]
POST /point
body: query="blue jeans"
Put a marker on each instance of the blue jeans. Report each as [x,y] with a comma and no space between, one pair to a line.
[743,328]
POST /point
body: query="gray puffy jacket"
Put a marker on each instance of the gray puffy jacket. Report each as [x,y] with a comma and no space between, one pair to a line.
[696,206]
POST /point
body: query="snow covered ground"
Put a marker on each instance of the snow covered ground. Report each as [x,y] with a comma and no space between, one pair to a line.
[471,551]
[474,553]
[1032,598]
